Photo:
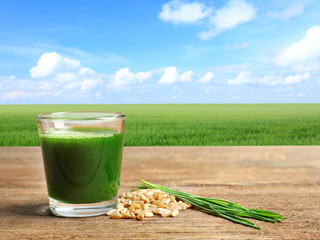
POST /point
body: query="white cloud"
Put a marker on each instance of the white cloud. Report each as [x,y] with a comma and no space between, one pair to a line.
[13,95]
[186,76]
[141,76]
[191,51]
[89,84]
[55,70]
[206,78]
[170,76]
[234,13]
[293,10]
[47,86]
[271,80]
[66,77]
[124,77]
[51,63]
[229,69]
[73,85]
[298,78]
[188,13]
[308,66]
[244,77]
[307,50]
[291,79]
[300,95]
[98,94]
[238,45]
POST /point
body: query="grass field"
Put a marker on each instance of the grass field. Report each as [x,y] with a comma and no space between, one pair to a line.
[183,125]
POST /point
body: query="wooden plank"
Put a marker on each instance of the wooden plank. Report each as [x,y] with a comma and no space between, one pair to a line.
[281,179]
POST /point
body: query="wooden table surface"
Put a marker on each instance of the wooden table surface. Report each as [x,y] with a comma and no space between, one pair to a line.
[280,179]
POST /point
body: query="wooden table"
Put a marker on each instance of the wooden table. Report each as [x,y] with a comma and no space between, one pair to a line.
[281,179]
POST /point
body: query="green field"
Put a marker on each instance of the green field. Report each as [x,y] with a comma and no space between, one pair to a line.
[183,125]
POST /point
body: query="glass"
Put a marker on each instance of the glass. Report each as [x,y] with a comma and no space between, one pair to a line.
[82,155]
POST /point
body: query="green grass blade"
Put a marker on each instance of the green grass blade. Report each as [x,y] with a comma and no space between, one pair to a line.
[231,211]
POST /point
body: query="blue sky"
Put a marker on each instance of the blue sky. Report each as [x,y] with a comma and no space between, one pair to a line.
[180,51]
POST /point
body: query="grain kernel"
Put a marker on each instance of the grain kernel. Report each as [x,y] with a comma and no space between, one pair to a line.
[182,205]
[143,198]
[111,211]
[126,215]
[145,203]
[166,213]
[124,210]
[132,209]
[141,204]
[172,207]
[167,201]
[175,213]
[128,195]
[159,203]
[140,216]
[120,206]
[138,211]
[142,191]
[158,211]
[146,206]
[127,203]
[135,205]
[115,215]
[157,196]
[147,213]
[149,193]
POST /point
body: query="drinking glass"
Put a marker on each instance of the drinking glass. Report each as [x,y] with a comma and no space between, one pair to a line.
[82,155]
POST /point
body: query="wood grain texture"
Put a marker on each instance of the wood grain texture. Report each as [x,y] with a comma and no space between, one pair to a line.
[281,179]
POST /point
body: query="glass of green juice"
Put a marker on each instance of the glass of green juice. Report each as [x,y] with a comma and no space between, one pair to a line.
[82,155]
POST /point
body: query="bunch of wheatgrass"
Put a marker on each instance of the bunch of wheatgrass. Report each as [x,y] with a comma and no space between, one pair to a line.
[221,208]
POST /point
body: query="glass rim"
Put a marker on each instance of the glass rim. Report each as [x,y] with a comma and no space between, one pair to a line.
[100,115]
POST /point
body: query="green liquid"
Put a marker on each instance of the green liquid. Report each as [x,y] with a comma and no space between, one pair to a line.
[82,165]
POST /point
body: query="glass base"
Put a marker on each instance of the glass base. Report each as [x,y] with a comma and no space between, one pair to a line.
[81,210]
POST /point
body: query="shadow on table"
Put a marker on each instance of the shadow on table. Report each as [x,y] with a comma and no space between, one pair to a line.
[29,209]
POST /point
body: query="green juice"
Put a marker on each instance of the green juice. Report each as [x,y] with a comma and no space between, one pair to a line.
[82,165]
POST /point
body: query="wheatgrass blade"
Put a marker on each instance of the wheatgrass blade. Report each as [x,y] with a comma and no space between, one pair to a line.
[225,209]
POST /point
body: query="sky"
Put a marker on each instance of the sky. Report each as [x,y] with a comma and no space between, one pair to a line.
[180,51]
